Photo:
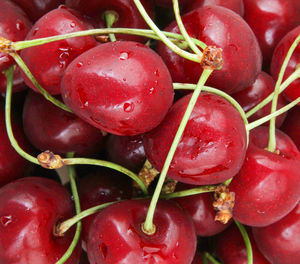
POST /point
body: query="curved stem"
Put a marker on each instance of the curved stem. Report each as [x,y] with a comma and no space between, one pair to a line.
[9,76]
[110,18]
[107,164]
[49,97]
[189,192]
[148,225]
[247,241]
[272,138]
[210,258]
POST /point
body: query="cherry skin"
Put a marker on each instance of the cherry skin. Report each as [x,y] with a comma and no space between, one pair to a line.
[197,259]
[14,26]
[51,128]
[48,62]
[18,82]
[30,209]
[121,87]
[280,242]
[230,248]
[221,27]
[270,21]
[212,147]
[254,94]
[116,235]
[292,92]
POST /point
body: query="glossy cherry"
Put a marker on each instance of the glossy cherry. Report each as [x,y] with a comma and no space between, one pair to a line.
[270,21]
[48,62]
[121,87]
[30,209]
[18,82]
[231,248]
[116,235]
[14,26]
[254,94]
[51,128]
[292,92]
[221,27]
[212,147]
[280,242]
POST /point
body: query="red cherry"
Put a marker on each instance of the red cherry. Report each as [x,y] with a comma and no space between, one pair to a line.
[221,27]
[197,259]
[254,94]
[212,147]
[116,235]
[30,209]
[270,21]
[280,242]
[292,92]
[120,87]
[51,128]
[48,62]
[18,82]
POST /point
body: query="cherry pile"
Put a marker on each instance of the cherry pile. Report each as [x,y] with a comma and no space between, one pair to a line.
[150,132]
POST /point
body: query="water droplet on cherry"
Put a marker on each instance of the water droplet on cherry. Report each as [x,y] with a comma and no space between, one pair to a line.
[19,25]
[72,25]
[79,64]
[5,220]
[128,107]
[151,90]
[124,56]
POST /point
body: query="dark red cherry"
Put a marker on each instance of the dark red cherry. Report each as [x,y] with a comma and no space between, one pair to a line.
[126,151]
[292,92]
[230,248]
[291,125]
[212,147]
[221,27]
[98,187]
[270,21]
[280,242]
[116,235]
[121,87]
[235,5]
[30,209]
[254,94]
[51,128]
[18,83]
[48,62]
[200,208]
[14,26]
[197,258]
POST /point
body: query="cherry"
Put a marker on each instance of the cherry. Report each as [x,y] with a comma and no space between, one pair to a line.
[18,83]
[270,21]
[292,92]
[212,147]
[126,151]
[221,27]
[116,235]
[169,3]
[48,62]
[254,94]
[280,242]
[121,87]
[14,26]
[30,209]
[200,208]
[230,248]
[51,128]
[197,258]
[291,125]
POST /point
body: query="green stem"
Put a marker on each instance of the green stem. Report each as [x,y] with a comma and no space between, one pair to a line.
[9,76]
[72,246]
[210,258]
[110,18]
[247,241]
[182,29]
[107,164]
[49,97]
[272,137]
[148,224]
[189,192]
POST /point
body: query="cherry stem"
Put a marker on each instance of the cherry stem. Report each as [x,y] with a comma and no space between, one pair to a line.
[272,137]
[49,97]
[107,164]
[148,226]
[295,75]
[9,77]
[182,29]
[247,241]
[162,36]
[68,253]
[209,257]
[189,192]
[110,18]
[264,119]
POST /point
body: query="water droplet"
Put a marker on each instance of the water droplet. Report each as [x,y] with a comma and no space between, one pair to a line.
[79,64]
[5,220]
[128,107]
[19,24]
[72,25]
[86,104]
[124,79]
[156,73]
[64,55]
[151,90]
[124,56]
[35,31]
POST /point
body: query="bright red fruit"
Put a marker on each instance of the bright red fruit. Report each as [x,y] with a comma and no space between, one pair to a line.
[120,87]
[212,147]
[116,235]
